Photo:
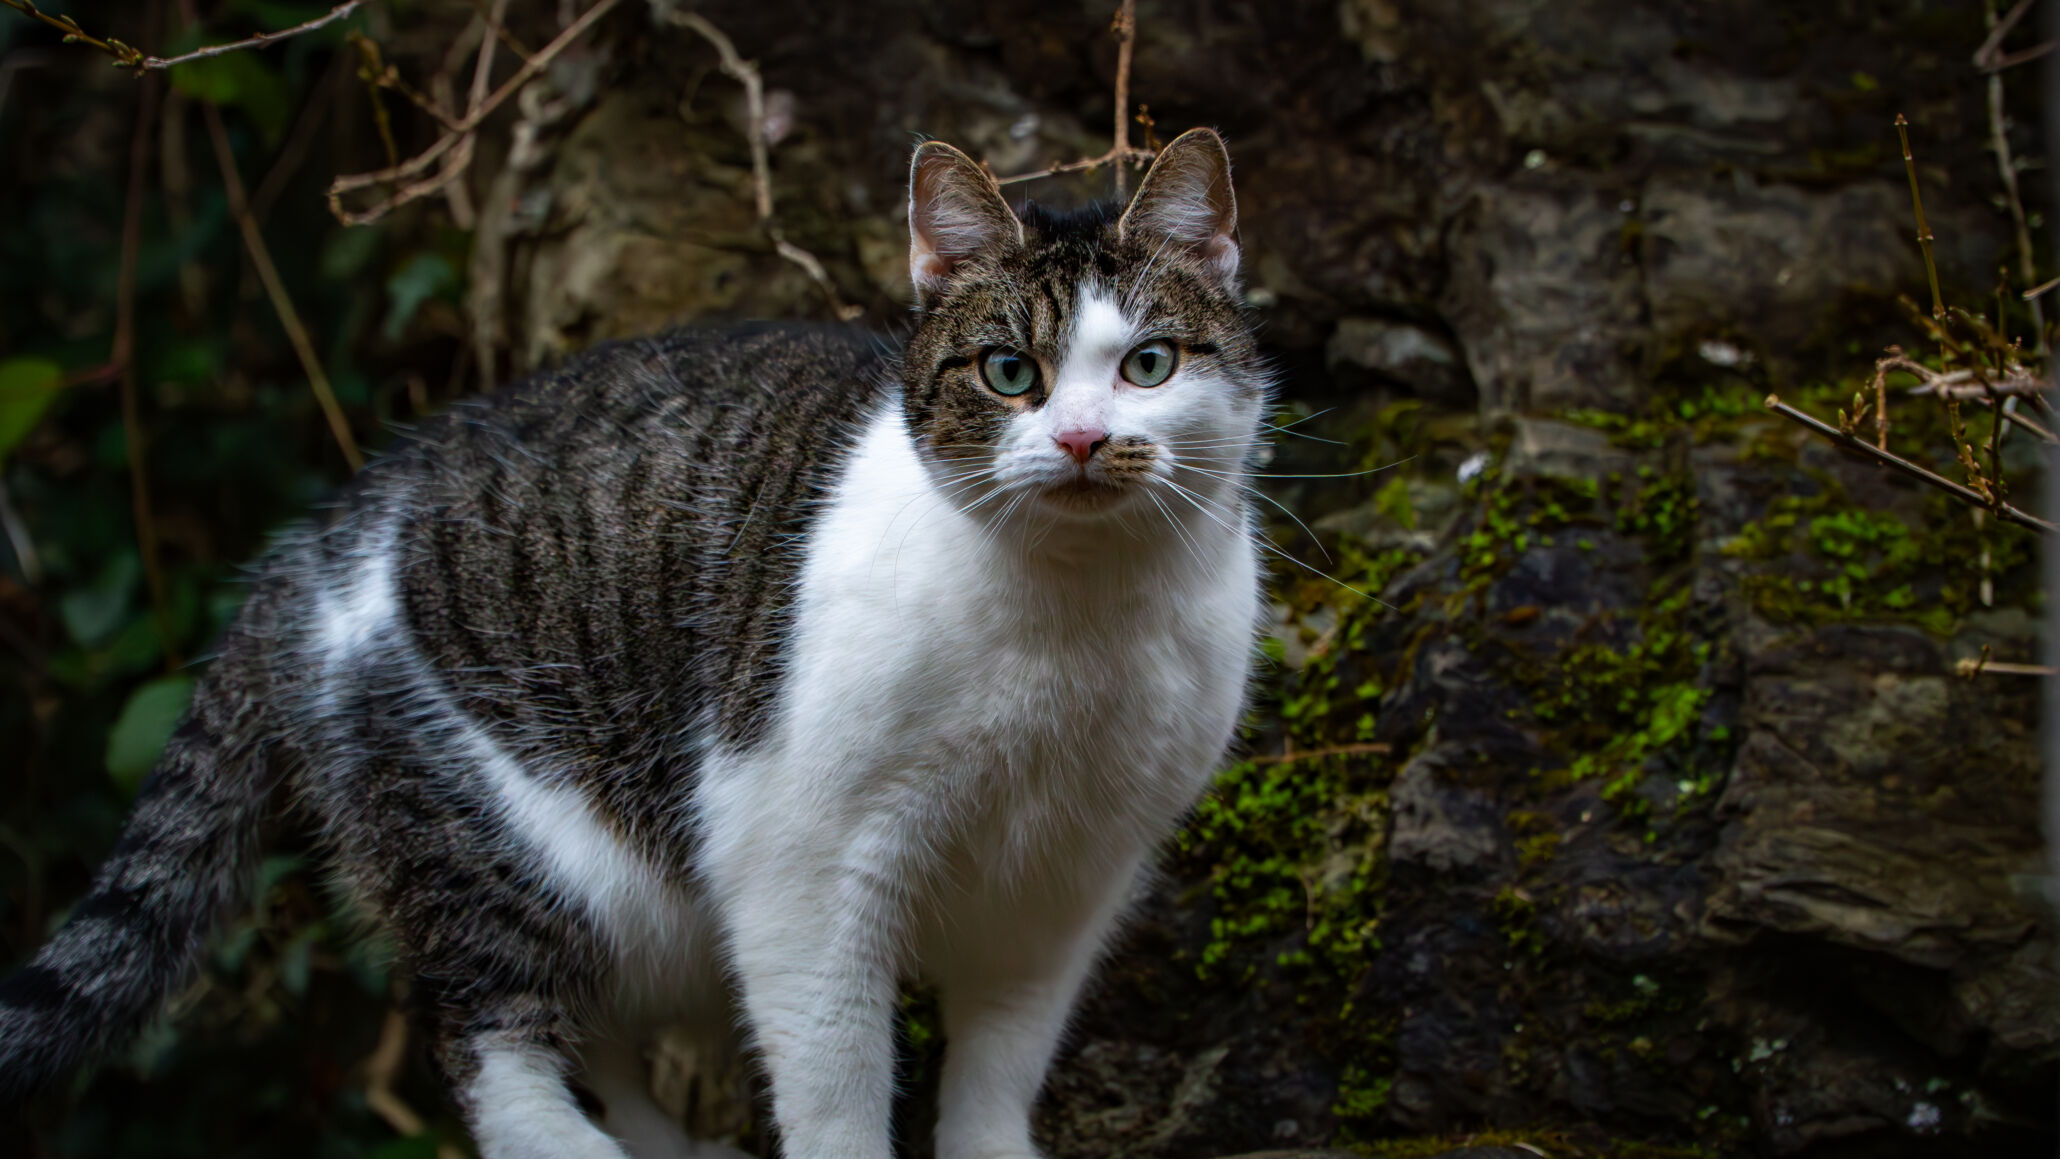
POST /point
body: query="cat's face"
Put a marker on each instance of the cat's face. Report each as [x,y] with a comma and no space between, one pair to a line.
[1085,366]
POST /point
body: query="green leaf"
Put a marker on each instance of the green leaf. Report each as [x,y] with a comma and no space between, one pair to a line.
[423,276]
[27,388]
[91,614]
[145,725]
[347,249]
[244,80]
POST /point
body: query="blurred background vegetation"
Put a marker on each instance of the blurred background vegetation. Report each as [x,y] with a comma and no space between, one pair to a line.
[1644,816]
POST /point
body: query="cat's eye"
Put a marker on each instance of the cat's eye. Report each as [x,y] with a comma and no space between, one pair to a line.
[1009,372]
[1150,363]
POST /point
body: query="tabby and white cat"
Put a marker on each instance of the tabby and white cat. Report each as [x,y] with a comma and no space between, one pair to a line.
[743,675]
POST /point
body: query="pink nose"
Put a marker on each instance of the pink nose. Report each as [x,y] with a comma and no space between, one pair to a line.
[1080,442]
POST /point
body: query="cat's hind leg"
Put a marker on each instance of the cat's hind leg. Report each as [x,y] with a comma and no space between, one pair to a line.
[509,1069]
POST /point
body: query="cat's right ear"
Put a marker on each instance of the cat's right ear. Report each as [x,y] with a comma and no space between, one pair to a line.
[955,210]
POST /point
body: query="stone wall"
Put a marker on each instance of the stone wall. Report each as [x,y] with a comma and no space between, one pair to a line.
[1645,809]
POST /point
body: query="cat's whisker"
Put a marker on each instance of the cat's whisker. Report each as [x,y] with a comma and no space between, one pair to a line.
[1242,484]
[1270,546]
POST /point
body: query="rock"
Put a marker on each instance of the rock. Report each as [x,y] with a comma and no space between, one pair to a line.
[1734,257]
[1545,296]
[1437,825]
[1418,358]
[1557,450]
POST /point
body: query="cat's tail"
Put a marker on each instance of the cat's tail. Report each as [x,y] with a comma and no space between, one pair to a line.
[186,856]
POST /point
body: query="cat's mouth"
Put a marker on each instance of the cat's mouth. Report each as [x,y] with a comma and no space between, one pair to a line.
[1084,494]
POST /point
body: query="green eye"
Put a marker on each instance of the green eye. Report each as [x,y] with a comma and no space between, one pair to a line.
[1150,363]
[1009,372]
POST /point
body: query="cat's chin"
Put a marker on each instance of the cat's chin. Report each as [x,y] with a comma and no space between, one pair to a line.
[1084,497]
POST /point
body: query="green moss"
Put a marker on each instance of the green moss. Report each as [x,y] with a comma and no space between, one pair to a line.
[1536,851]
[1517,916]
[1362,1096]
[1662,511]
[1616,712]
[1829,558]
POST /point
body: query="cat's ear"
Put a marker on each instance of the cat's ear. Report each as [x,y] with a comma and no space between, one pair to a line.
[1186,200]
[955,210]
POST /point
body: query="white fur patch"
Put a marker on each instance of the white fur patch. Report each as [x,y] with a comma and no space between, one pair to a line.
[354,615]
[522,1110]
[984,728]
[656,934]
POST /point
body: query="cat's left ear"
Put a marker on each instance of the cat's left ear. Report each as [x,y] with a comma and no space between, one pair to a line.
[1186,200]
[955,210]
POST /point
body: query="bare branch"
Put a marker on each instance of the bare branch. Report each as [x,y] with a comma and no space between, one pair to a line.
[122,358]
[261,39]
[1924,239]
[1973,668]
[454,137]
[1889,458]
[1991,58]
[127,56]
[745,73]
[275,289]
[1343,750]
[2006,169]
[1124,28]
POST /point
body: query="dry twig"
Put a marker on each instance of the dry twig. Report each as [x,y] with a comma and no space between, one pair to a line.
[128,56]
[1120,151]
[1342,750]
[1991,58]
[2006,167]
[275,289]
[122,358]
[382,1067]
[456,140]
[1924,238]
[745,73]
[1890,458]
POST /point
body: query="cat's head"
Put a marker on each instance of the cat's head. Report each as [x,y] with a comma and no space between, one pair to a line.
[1087,365]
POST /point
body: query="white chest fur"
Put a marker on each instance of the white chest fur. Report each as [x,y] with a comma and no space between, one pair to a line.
[985,717]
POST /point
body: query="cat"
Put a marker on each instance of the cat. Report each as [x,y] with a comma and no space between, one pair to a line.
[737,676]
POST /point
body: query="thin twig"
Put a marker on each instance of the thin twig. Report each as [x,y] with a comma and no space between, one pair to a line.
[382,1067]
[1924,239]
[1890,458]
[1124,28]
[746,74]
[2006,168]
[1343,750]
[1964,384]
[452,138]
[498,28]
[1991,58]
[261,39]
[127,56]
[301,138]
[275,289]
[1138,157]
[1973,668]
[124,356]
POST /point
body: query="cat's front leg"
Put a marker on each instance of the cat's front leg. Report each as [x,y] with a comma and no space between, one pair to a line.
[814,943]
[1008,983]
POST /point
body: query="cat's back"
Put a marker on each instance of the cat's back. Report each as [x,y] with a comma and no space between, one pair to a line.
[605,547]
